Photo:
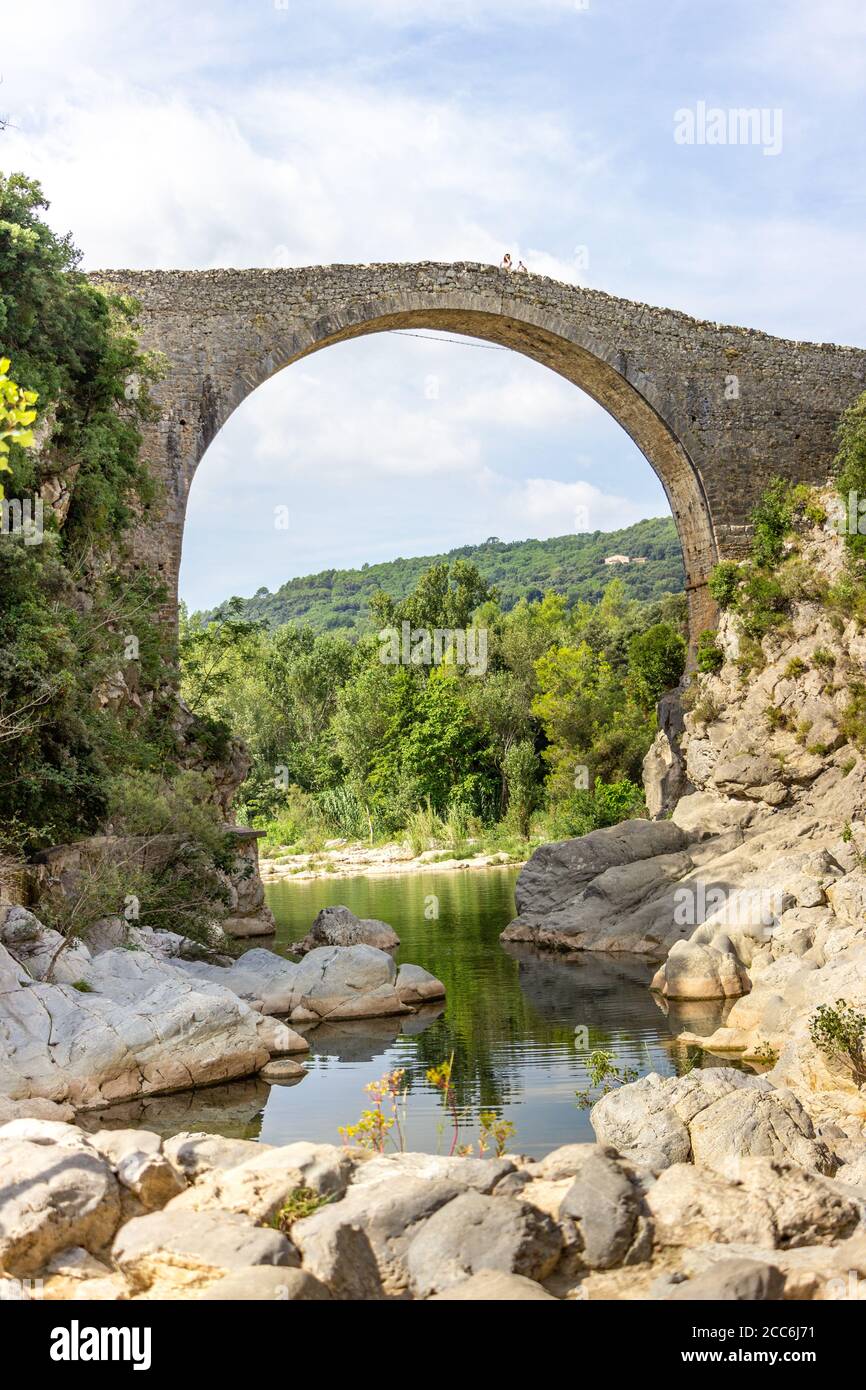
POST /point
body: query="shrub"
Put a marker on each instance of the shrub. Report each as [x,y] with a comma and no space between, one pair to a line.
[656,661]
[850,464]
[521,775]
[751,657]
[806,503]
[846,599]
[762,604]
[301,1202]
[776,718]
[710,657]
[772,519]
[606,804]
[853,721]
[343,811]
[839,1033]
[795,667]
[724,582]
[603,1074]
[800,581]
[707,709]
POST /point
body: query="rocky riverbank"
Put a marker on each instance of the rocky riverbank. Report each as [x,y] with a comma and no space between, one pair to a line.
[125,1012]
[344,859]
[754,891]
[720,1189]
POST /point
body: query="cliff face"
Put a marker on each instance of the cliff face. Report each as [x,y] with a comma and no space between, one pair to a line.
[754,888]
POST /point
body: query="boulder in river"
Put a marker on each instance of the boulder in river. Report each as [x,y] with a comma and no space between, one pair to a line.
[338,926]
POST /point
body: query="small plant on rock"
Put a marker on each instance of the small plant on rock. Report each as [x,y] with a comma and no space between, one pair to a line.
[301,1202]
[494,1131]
[604,1073]
[795,667]
[839,1032]
[440,1078]
[386,1113]
[776,718]
[853,720]
[707,709]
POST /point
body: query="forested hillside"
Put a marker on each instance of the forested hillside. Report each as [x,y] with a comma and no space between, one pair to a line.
[569,565]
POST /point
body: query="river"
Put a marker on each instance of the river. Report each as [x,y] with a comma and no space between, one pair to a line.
[509,1021]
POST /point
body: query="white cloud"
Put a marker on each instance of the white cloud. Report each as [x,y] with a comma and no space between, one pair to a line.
[304,175]
[549,507]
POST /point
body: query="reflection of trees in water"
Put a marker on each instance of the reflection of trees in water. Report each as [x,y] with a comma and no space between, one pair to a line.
[507,1003]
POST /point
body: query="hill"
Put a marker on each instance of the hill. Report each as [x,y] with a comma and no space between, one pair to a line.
[571,565]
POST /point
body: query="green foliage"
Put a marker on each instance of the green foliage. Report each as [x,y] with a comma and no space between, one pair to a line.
[521,775]
[604,1076]
[707,709]
[17,414]
[723,583]
[795,667]
[776,718]
[300,1203]
[656,661]
[169,870]
[853,719]
[75,347]
[762,604]
[771,521]
[710,657]
[573,566]
[605,804]
[839,1032]
[850,465]
[346,745]
[493,1131]
[446,596]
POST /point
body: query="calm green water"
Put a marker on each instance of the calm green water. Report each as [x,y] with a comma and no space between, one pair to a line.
[509,1020]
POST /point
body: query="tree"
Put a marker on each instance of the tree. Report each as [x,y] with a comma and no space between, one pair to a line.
[445,596]
[579,693]
[656,661]
[17,414]
[501,709]
[521,772]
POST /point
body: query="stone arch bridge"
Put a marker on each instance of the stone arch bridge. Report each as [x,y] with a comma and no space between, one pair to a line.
[716,410]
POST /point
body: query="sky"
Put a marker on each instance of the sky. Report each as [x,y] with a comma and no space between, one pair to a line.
[256,133]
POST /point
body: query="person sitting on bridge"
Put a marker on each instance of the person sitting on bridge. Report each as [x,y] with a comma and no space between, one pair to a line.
[506,261]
